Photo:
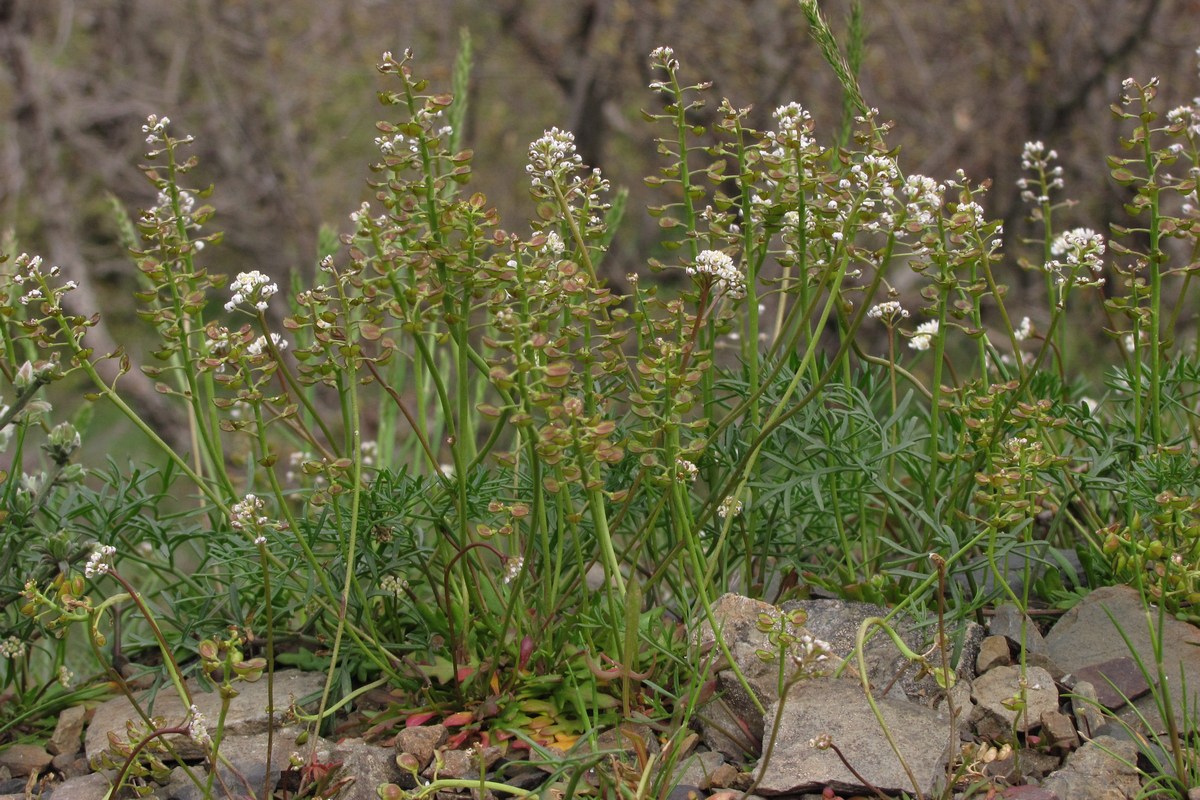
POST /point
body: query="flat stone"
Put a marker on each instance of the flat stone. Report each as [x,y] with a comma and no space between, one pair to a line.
[1089,719]
[1018,628]
[66,738]
[1060,730]
[461,764]
[993,652]
[839,709]
[421,741]
[1028,793]
[995,690]
[1037,764]
[1098,771]
[724,776]
[1117,681]
[247,712]
[368,765]
[1086,636]
[731,722]
[86,787]
[837,622]
[25,759]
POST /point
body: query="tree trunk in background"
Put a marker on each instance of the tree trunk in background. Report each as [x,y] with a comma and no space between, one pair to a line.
[40,120]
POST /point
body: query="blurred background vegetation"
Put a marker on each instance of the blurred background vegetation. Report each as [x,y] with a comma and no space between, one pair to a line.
[281,99]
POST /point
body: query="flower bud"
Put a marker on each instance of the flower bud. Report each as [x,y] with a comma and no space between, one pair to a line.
[62,442]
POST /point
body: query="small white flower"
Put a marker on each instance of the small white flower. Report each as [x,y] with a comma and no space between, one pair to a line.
[730,507]
[251,287]
[100,561]
[393,585]
[12,647]
[515,565]
[685,471]
[888,311]
[923,336]
[197,730]
[1024,330]
[259,345]
[245,513]
[551,156]
[718,265]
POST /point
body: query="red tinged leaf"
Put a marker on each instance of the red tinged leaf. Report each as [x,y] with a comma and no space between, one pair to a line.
[418,719]
[525,652]
[459,718]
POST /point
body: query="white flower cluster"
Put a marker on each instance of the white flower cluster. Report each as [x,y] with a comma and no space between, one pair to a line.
[12,647]
[1076,250]
[1186,118]
[197,729]
[554,244]
[362,217]
[730,507]
[923,336]
[1024,330]
[795,125]
[246,514]
[551,156]
[720,267]
[100,561]
[663,57]
[259,345]
[515,565]
[1037,159]
[155,128]
[888,311]
[29,270]
[393,585]
[251,287]
[685,471]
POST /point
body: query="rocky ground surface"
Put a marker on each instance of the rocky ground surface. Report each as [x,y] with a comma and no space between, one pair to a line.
[1078,733]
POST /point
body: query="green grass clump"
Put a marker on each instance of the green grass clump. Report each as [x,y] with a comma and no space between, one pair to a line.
[462,466]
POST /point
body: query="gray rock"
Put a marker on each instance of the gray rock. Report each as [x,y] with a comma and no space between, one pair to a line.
[1060,730]
[1018,628]
[248,755]
[972,641]
[839,709]
[462,764]
[85,787]
[996,690]
[66,737]
[1036,764]
[837,622]
[993,652]
[1103,769]
[1117,681]
[247,712]
[368,765]
[421,741]
[1085,636]
[732,723]
[24,759]
[1085,707]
